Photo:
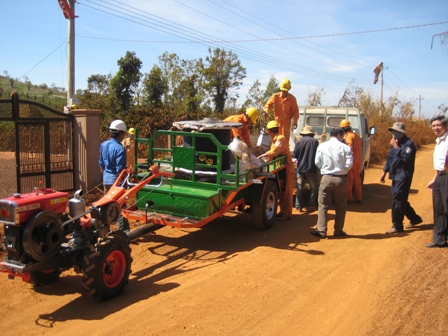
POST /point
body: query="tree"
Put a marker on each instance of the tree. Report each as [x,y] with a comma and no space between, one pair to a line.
[125,83]
[271,88]
[222,72]
[255,97]
[315,98]
[97,93]
[153,87]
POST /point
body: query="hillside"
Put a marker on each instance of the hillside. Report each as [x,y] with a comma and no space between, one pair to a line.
[42,93]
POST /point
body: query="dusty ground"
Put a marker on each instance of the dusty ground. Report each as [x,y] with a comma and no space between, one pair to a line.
[227,279]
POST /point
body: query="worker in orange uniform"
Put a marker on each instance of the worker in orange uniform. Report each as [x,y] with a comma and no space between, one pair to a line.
[129,144]
[354,183]
[247,119]
[280,146]
[285,108]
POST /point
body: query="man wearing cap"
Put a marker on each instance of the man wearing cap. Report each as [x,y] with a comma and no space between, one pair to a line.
[354,183]
[129,144]
[285,108]
[334,158]
[247,119]
[439,184]
[280,146]
[400,166]
[305,153]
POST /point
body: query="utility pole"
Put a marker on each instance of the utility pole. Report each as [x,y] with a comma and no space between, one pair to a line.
[419,105]
[381,94]
[71,55]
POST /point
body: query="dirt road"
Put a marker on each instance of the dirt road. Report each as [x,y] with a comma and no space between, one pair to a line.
[227,279]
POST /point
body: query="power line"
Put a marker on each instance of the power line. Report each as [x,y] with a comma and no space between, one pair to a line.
[194,36]
[23,76]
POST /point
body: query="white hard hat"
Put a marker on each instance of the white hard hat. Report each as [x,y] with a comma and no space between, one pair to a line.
[117,125]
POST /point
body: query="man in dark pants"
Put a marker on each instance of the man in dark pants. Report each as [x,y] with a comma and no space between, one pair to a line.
[305,153]
[400,166]
[439,184]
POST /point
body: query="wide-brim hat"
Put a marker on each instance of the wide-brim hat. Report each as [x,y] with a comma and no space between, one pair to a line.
[306,130]
[399,127]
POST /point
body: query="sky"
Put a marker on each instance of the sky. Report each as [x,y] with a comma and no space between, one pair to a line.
[323,44]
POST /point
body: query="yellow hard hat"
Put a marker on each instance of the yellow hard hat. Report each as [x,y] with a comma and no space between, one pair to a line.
[131,131]
[252,113]
[285,85]
[344,123]
[74,106]
[272,124]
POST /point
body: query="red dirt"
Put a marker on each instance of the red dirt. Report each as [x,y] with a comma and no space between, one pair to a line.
[227,279]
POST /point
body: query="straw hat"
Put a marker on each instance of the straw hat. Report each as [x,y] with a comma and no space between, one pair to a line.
[399,127]
[307,130]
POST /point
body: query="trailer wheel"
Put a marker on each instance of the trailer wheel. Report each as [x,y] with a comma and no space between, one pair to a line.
[264,213]
[44,277]
[107,266]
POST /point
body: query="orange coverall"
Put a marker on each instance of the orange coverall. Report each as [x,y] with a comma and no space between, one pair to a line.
[280,146]
[242,132]
[129,145]
[285,109]
[354,184]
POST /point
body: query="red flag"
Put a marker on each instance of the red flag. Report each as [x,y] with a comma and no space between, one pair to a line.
[377,70]
[66,9]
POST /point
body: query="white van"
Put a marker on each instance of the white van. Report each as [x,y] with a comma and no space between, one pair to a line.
[323,118]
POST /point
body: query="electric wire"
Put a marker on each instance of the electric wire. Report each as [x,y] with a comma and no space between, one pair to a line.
[65,41]
[198,37]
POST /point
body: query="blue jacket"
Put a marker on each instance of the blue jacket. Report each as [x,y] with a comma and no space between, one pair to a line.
[400,161]
[112,160]
[305,153]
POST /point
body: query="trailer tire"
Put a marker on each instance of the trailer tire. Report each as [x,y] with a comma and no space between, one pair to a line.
[106,267]
[44,277]
[265,212]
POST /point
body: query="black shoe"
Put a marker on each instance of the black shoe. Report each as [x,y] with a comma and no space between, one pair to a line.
[318,234]
[434,245]
[340,234]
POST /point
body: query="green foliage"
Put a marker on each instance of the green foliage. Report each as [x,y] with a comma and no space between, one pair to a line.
[125,83]
[56,99]
[222,72]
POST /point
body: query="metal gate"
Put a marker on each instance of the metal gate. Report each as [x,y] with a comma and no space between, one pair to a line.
[43,145]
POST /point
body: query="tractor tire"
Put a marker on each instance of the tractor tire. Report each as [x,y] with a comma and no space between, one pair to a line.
[106,267]
[45,277]
[265,212]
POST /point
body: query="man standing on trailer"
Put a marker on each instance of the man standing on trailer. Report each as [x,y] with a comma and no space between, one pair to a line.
[285,108]
[247,119]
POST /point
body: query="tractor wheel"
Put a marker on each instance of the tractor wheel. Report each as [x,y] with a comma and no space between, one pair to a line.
[45,277]
[107,266]
[264,213]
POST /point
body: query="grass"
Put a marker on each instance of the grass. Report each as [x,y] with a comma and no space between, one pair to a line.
[43,94]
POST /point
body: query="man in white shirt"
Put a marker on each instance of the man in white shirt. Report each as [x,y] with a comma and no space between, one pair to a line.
[439,184]
[334,158]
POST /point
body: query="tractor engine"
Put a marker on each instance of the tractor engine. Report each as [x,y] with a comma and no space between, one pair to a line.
[32,224]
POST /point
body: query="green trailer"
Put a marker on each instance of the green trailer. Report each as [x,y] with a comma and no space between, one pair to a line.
[203,183]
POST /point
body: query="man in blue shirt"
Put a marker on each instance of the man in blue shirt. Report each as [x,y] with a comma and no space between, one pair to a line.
[400,166]
[334,158]
[113,160]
